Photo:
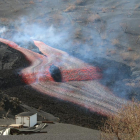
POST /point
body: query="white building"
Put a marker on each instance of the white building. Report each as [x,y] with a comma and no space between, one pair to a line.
[28,119]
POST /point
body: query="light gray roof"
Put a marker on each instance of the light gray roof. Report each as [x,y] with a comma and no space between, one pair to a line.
[26,114]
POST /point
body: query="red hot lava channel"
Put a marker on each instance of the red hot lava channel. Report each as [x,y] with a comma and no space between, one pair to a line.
[79,82]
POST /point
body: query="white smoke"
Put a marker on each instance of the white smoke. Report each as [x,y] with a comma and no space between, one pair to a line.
[2,30]
[62,37]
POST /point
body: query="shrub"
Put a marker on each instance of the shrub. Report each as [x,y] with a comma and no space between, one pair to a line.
[115,42]
[31,2]
[80,2]
[94,18]
[123,126]
[70,8]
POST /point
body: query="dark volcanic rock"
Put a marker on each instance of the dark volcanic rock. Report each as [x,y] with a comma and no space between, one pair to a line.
[55,73]
[11,86]
[11,61]
[11,58]
[97,37]
[9,106]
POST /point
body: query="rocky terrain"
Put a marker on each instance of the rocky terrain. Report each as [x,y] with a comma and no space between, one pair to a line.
[12,85]
[101,33]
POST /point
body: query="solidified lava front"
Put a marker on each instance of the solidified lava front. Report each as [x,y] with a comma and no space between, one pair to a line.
[55,73]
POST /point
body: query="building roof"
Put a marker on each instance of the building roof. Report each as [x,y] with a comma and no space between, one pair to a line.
[26,114]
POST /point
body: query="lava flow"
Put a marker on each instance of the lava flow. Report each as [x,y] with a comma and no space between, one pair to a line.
[62,76]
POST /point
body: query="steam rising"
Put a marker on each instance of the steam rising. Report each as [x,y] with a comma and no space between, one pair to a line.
[2,30]
[76,33]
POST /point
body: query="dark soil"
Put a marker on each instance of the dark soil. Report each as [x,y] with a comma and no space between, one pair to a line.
[11,84]
[86,31]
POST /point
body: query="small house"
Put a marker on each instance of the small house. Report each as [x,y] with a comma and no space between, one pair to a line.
[27,119]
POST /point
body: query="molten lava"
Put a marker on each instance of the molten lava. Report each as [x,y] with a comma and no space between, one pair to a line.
[62,76]
[41,65]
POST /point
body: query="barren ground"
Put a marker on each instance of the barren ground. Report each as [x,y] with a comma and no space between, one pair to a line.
[102,33]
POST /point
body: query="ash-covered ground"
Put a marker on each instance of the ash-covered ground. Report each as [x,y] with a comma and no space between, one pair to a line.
[102,33]
[11,84]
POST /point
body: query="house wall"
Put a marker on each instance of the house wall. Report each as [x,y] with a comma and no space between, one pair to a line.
[33,120]
[23,120]
[26,121]
[18,120]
